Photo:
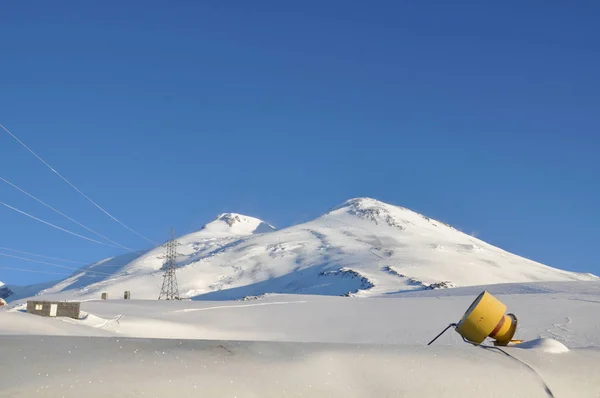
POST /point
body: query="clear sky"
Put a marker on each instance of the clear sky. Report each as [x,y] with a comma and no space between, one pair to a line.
[167,113]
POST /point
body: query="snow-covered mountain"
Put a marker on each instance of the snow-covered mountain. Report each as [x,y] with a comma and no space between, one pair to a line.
[362,247]
[4,291]
[229,224]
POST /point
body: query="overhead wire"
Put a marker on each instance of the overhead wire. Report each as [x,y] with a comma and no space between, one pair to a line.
[67,217]
[52,225]
[55,265]
[47,257]
[74,187]
[35,271]
[61,259]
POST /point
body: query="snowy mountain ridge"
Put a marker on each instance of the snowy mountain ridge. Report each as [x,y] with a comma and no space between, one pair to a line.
[236,224]
[362,247]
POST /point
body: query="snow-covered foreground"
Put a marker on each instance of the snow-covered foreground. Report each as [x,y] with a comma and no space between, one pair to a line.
[96,367]
[565,311]
[289,345]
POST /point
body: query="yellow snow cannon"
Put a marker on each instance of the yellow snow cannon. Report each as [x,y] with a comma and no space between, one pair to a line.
[486,318]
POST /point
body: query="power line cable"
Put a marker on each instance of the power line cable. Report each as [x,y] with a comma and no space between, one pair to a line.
[53,226]
[67,217]
[74,187]
[54,265]
[63,260]
[108,265]
[47,257]
[35,271]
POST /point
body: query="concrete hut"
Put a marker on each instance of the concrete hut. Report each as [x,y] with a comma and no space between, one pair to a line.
[69,309]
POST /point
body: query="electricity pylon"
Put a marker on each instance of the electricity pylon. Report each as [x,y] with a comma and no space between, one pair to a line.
[170,290]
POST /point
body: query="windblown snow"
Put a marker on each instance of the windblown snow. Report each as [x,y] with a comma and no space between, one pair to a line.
[362,247]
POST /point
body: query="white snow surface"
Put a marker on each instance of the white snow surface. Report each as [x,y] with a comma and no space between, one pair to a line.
[306,345]
[228,224]
[546,345]
[363,248]
[264,320]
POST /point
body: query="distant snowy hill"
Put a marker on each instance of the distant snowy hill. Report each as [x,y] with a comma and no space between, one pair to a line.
[362,247]
[4,291]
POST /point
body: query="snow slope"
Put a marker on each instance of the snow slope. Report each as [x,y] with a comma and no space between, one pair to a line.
[362,247]
[318,346]
[565,311]
[12,292]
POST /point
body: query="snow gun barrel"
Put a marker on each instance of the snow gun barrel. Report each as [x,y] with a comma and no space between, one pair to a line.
[484,318]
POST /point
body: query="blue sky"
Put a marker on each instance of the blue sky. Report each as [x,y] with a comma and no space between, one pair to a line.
[482,115]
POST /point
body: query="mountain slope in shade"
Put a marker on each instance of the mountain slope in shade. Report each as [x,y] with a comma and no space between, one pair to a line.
[362,247]
[5,292]
[13,292]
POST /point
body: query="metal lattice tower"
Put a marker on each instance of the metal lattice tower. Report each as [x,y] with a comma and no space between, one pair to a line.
[170,290]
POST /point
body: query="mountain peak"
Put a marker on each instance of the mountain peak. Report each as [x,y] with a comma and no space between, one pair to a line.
[231,218]
[362,202]
[380,212]
[365,208]
[237,224]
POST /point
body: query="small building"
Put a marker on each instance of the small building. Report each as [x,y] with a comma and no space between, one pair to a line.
[69,309]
